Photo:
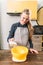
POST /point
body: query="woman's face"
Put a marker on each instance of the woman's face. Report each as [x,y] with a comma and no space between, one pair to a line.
[24,18]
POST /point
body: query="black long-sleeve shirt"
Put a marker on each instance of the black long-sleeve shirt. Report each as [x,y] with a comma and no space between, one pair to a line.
[13,30]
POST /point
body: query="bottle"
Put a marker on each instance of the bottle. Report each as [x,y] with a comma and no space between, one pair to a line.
[12,44]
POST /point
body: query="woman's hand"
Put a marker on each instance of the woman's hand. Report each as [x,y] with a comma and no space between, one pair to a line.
[33,51]
[12,43]
[11,39]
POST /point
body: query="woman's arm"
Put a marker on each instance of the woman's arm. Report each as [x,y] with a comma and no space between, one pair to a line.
[10,38]
[11,32]
[31,44]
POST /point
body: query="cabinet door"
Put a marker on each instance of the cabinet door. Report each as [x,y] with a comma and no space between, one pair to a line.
[37,46]
[14,6]
[37,42]
[37,38]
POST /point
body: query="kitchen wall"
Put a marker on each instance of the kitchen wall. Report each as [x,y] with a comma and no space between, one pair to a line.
[7,21]
[40,3]
[0,25]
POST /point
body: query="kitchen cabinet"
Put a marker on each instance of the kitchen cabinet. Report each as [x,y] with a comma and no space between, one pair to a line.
[37,41]
[15,7]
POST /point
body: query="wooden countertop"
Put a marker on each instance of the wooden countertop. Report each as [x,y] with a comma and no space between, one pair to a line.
[32,59]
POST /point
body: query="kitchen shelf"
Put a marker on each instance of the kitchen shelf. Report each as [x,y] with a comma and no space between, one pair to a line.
[14,14]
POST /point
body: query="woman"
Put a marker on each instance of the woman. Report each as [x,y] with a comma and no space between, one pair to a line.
[21,32]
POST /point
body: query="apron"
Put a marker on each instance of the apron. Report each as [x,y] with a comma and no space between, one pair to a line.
[21,36]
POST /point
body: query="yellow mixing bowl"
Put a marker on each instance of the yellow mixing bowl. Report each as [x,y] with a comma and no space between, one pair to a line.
[19,52]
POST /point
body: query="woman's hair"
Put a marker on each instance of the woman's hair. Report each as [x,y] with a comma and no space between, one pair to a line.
[30,27]
[26,11]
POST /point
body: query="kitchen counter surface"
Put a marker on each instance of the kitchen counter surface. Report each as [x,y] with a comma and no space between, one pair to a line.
[32,59]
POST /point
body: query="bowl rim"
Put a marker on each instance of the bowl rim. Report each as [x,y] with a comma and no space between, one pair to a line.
[26,52]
